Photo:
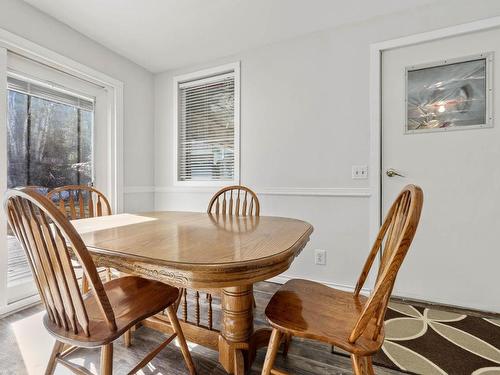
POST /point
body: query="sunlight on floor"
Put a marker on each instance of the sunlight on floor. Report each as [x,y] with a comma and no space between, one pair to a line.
[191,345]
[34,344]
[151,369]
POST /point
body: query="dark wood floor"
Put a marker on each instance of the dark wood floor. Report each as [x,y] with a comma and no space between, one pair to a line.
[25,347]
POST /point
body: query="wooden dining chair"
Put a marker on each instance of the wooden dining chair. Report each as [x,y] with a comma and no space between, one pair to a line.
[94,319]
[350,321]
[81,202]
[234,200]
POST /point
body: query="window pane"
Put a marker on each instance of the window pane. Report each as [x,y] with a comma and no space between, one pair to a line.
[206,131]
[49,145]
[53,152]
[17,141]
[52,147]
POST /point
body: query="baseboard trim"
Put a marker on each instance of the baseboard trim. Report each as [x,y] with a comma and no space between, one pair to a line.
[282,279]
[22,304]
[446,306]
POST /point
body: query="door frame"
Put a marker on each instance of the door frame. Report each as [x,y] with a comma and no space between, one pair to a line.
[114,156]
[375,94]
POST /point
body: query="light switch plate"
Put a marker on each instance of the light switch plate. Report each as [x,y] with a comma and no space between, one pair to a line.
[359,172]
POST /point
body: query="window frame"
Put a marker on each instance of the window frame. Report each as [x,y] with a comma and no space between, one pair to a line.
[200,75]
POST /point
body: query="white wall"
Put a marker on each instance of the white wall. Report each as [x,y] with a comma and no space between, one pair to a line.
[25,21]
[304,123]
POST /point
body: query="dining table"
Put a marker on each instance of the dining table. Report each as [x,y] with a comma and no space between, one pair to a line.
[221,255]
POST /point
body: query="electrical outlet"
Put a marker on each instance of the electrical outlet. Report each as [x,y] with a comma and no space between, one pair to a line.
[359,172]
[320,257]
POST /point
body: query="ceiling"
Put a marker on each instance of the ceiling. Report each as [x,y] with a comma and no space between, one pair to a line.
[165,34]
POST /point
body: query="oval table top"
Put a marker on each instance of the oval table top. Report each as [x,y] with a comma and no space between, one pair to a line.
[203,249]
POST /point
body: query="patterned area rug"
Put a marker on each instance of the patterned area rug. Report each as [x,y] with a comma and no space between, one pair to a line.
[428,341]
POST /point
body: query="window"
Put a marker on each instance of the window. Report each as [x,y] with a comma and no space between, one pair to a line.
[49,135]
[207,127]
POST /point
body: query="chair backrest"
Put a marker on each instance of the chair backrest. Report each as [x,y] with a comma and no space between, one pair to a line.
[46,236]
[394,239]
[80,201]
[235,200]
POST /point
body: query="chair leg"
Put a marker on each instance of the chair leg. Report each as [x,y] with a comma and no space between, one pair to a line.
[362,365]
[182,340]
[107,359]
[51,366]
[286,344]
[272,349]
[127,338]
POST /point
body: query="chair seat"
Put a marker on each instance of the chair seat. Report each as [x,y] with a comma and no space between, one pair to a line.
[132,298]
[312,310]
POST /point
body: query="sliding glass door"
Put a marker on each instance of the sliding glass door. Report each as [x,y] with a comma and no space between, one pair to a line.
[50,139]
[49,144]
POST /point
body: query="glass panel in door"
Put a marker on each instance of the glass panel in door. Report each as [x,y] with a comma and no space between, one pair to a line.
[49,145]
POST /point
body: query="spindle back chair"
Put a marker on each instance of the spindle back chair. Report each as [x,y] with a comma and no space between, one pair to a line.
[88,320]
[80,201]
[356,323]
[393,241]
[235,200]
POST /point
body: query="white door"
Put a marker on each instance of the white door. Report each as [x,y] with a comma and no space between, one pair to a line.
[456,253]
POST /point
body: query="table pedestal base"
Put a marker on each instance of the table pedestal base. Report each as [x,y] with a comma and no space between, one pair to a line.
[237,342]
[236,326]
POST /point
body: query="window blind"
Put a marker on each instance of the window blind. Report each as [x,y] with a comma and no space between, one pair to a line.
[43,91]
[206,132]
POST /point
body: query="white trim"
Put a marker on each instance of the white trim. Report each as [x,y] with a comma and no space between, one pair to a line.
[26,48]
[4,256]
[321,192]
[19,305]
[376,50]
[292,191]
[282,279]
[457,30]
[206,74]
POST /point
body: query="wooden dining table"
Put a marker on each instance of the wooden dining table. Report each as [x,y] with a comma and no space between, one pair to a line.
[223,255]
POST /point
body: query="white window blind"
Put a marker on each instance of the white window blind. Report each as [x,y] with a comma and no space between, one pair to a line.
[206,129]
[44,91]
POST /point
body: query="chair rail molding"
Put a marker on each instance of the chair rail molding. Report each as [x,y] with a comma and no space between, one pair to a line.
[360,192]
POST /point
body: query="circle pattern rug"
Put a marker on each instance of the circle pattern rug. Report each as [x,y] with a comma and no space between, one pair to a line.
[436,342]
